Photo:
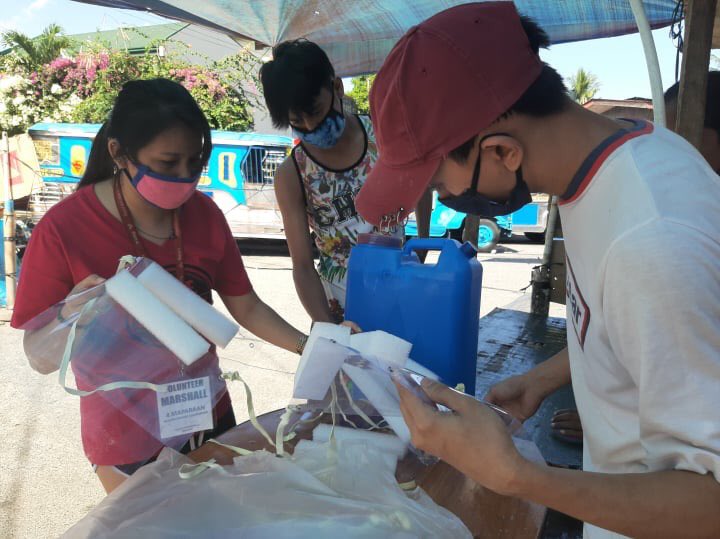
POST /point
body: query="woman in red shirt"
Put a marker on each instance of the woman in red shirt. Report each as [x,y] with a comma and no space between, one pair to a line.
[138,196]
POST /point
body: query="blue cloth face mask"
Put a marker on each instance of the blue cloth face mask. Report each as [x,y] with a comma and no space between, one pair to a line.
[472,202]
[328,131]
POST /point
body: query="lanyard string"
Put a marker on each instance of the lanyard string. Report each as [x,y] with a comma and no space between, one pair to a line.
[137,241]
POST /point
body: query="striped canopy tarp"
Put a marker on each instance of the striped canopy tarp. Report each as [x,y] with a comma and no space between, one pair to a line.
[358,34]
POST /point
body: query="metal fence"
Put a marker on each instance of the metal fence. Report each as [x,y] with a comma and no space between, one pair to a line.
[48,194]
[261,164]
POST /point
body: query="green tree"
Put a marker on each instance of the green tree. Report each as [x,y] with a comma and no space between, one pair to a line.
[583,86]
[360,92]
[81,85]
[35,52]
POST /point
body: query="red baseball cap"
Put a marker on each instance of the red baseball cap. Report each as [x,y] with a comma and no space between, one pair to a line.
[446,80]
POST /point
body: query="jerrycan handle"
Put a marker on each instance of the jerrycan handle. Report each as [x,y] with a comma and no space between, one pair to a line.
[438,244]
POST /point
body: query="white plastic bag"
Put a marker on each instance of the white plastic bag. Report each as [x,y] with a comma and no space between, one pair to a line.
[345,488]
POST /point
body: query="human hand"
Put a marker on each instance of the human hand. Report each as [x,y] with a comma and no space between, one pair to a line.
[519,395]
[566,426]
[472,438]
[354,328]
[87,283]
[78,297]
[43,345]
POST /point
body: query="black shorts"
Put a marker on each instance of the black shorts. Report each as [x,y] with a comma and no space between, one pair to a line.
[224,423]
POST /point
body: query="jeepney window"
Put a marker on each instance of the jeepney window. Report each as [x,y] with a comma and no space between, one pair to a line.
[47,150]
[261,163]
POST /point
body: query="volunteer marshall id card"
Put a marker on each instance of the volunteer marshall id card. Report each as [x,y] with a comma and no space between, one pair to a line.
[184,407]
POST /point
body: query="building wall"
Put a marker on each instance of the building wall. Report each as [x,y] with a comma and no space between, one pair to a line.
[630,113]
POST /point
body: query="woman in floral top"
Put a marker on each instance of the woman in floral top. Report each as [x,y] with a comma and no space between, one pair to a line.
[317,184]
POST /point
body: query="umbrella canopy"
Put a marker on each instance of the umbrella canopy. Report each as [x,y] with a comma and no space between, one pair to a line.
[358,34]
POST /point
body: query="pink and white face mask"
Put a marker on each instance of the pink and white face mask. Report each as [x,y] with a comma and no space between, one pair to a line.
[166,192]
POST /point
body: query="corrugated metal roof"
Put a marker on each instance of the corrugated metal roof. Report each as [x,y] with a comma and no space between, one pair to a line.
[133,39]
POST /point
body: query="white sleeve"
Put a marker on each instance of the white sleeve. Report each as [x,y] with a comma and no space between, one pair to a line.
[662,310]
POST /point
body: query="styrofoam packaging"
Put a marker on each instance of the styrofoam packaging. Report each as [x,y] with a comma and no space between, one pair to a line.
[314,376]
[167,327]
[197,312]
[303,377]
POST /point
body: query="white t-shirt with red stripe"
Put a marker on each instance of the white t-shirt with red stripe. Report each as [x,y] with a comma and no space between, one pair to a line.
[642,236]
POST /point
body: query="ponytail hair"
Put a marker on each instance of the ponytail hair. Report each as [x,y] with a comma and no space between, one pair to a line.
[100,165]
[143,109]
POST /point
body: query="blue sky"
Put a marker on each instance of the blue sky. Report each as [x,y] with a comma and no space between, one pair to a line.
[617,62]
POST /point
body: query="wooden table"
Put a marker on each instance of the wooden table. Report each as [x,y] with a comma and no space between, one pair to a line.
[511,341]
[486,514]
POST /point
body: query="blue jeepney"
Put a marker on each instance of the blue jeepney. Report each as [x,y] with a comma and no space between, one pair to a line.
[238,177]
[530,220]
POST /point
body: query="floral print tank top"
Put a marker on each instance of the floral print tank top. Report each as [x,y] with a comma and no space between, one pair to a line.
[330,205]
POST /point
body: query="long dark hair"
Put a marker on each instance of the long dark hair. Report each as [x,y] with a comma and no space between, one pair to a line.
[143,109]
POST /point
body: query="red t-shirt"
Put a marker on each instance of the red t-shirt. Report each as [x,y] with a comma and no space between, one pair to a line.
[78,237]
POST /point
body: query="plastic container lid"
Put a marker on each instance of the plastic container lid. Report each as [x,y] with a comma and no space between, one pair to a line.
[379,240]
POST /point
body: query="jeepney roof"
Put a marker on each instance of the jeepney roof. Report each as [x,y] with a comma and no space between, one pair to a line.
[233,138]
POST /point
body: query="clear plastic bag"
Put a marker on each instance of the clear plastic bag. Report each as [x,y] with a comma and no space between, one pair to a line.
[364,395]
[412,380]
[361,395]
[119,368]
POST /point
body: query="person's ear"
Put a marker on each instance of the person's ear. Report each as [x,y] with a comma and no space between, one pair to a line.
[506,149]
[116,153]
[338,87]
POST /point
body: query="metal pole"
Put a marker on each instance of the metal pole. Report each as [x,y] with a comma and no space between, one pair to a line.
[470,230]
[8,225]
[540,300]
[550,229]
[651,59]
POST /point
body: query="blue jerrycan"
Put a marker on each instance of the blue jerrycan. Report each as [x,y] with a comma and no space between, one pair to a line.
[436,307]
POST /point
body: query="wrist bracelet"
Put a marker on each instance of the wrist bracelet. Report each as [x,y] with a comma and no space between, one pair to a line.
[300,347]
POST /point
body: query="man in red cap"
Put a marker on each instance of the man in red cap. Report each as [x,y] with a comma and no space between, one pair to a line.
[463,103]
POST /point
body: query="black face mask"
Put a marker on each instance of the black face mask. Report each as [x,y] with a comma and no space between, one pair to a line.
[474,203]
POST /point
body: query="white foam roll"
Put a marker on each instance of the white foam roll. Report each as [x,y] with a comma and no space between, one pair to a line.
[392,350]
[387,443]
[157,318]
[197,312]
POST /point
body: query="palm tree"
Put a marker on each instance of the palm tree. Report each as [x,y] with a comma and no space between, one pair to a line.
[37,51]
[583,86]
